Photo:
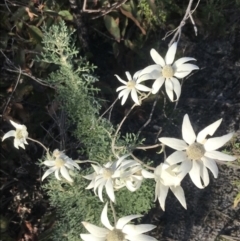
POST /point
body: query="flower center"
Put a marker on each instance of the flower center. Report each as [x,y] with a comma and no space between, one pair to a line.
[59,162]
[131,84]
[20,134]
[107,173]
[167,71]
[115,235]
[195,151]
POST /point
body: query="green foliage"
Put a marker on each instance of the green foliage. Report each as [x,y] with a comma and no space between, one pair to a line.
[135,202]
[76,94]
[74,204]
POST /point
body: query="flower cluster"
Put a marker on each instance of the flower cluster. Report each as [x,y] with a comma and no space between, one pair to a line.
[197,152]
[164,70]
[193,155]
[58,161]
[115,175]
[120,232]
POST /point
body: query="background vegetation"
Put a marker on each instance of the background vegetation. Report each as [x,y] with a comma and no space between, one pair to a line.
[48,87]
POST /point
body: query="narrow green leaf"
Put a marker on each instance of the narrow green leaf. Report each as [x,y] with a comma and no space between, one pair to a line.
[112,27]
[66,15]
[35,33]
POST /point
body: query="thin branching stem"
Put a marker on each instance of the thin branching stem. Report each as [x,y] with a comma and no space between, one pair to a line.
[142,163]
[46,149]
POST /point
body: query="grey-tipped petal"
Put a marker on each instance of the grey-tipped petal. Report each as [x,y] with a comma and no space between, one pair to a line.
[171,53]
[187,130]
[213,144]
[179,194]
[169,89]
[157,58]
[157,84]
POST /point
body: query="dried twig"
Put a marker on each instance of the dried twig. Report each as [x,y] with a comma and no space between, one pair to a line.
[178,30]
[10,97]
[102,11]
[150,117]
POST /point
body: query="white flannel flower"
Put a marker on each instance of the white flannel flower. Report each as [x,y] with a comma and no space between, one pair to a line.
[20,135]
[105,176]
[198,152]
[120,232]
[131,179]
[59,162]
[132,86]
[166,70]
[166,177]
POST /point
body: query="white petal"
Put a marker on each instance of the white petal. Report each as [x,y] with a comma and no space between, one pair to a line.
[129,77]
[9,134]
[169,89]
[209,130]
[147,77]
[142,87]
[195,173]
[137,229]
[154,70]
[90,185]
[132,187]
[157,84]
[57,174]
[124,220]
[100,189]
[135,76]
[219,156]
[65,174]
[217,142]
[176,87]
[135,96]
[125,96]
[109,189]
[140,237]
[184,169]
[204,175]
[17,142]
[90,237]
[174,143]
[187,131]
[157,58]
[104,218]
[48,172]
[176,157]
[181,61]
[95,230]
[124,92]
[179,194]
[147,174]
[96,168]
[171,53]
[90,176]
[73,163]
[184,70]
[211,165]
[121,88]
[98,181]
[16,125]
[157,190]
[116,164]
[121,80]
[162,195]
[49,163]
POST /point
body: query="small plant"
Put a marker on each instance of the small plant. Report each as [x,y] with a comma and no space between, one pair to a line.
[112,173]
